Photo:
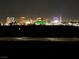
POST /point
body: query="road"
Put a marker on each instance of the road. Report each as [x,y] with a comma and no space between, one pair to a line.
[36,39]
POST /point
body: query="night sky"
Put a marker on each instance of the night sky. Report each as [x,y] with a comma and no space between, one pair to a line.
[44,8]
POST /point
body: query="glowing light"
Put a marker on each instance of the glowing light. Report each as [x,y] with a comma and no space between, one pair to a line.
[19,28]
[70,23]
[27,22]
[7,24]
[55,21]
[22,17]
[48,23]
[19,38]
[56,18]
[75,25]
[40,23]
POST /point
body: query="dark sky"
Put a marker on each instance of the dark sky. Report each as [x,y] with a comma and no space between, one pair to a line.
[39,8]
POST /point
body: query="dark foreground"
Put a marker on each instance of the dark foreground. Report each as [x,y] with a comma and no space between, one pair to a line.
[39,31]
[52,45]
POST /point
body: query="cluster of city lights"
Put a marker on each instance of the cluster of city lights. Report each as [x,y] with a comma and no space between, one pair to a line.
[9,21]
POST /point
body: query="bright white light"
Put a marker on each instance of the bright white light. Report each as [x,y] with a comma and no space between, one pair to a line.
[63,24]
[75,25]
[55,21]
[18,24]
[70,23]
[19,38]
[7,24]
[2,24]
[27,22]
[22,17]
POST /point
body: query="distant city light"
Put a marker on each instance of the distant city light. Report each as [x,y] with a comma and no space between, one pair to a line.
[19,28]
[37,21]
[27,22]
[56,21]
[7,24]
[22,17]
[69,23]
[56,18]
